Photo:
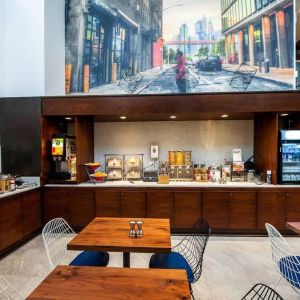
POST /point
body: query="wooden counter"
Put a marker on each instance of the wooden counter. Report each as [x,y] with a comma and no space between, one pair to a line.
[20,218]
[228,209]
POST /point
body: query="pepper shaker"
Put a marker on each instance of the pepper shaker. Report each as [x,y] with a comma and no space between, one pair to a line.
[140,232]
[132,230]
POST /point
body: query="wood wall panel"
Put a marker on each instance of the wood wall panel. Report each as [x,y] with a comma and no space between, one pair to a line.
[133,204]
[266,144]
[32,211]
[11,228]
[107,203]
[160,205]
[172,104]
[84,145]
[187,209]
[242,210]
[271,209]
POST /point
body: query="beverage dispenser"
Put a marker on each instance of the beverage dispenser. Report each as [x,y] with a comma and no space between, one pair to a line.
[63,153]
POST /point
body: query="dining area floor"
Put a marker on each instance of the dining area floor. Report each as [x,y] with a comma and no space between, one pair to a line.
[231,266]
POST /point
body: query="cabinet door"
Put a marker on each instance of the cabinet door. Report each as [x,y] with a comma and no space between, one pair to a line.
[133,204]
[107,203]
[292,206]
[242,210]
[215,209]
[160,205]
[32,212]
[56,204]
[271,209]
[81,207]
[187,209]
[11,228]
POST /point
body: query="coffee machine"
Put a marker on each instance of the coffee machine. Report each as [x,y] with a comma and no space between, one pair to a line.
[63,153]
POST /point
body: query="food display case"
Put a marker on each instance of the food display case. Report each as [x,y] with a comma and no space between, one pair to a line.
[114,166]
[133,166]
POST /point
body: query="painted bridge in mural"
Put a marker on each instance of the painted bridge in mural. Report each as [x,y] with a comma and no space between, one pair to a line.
[190,42]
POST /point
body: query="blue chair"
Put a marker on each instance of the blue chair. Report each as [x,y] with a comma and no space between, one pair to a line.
[56,235]
[287,264]
[188,254]
[262,292]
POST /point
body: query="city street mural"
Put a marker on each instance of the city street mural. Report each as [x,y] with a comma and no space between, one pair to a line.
[179,46]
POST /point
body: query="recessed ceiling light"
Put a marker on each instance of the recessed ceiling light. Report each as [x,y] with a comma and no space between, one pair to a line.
[284,115]
[68,118]
[173,117]
[123,117]
[224,116]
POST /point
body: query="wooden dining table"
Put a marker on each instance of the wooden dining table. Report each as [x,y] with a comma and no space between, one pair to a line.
[112,234]
[294,226]
[99,283]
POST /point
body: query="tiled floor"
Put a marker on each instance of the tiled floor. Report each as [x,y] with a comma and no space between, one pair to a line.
[232,265]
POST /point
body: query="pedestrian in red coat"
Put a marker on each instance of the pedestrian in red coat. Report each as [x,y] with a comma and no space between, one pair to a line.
[181,72]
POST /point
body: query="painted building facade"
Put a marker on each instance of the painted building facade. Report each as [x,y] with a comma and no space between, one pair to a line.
[259,31]
[106,37]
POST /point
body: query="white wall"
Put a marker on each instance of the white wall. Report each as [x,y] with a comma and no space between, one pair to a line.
[25,48]
[34,43]
[54,47]
[210,141]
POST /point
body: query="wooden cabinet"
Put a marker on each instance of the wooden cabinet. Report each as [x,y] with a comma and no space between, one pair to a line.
[56,204]
[160,205]
[215,209]
[76,206]
[81,207]
[292,200]
[187,209]
[133,204]
[242,210]
[32,212]
[107,203]
[271,209]
[11,226]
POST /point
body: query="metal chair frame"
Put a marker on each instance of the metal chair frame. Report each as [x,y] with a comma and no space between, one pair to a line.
[283,254]
[192,247]
[56,235]
[8,291]
[261,291]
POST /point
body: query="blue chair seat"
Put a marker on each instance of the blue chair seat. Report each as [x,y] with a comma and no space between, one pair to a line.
[290,270]
[91,259]
[171,260]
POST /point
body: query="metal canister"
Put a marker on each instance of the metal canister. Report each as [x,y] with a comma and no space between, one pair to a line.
[179,158]
[172,158]
[187,158]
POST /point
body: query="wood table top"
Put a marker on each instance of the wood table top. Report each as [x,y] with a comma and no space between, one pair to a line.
[111,234]
[97,283]
[294,226]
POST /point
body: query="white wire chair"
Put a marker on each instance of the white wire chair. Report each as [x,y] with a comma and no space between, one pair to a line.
[285,262]
[56,235]
[261,291]
[7,291]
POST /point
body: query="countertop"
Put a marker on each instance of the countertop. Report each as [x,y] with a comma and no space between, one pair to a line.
[18,191]
[141,184]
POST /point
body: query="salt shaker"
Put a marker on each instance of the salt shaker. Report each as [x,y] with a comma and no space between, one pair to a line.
[132,230]
[140,232]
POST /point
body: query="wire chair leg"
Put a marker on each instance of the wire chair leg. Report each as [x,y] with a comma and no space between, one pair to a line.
[277,282]
[191,291]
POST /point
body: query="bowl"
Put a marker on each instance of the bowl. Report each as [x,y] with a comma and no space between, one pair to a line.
[98,178]
[93,167]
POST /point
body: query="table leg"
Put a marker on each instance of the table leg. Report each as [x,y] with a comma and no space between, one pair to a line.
[126,259]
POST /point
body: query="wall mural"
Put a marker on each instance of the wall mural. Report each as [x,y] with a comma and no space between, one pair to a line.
[179,46]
